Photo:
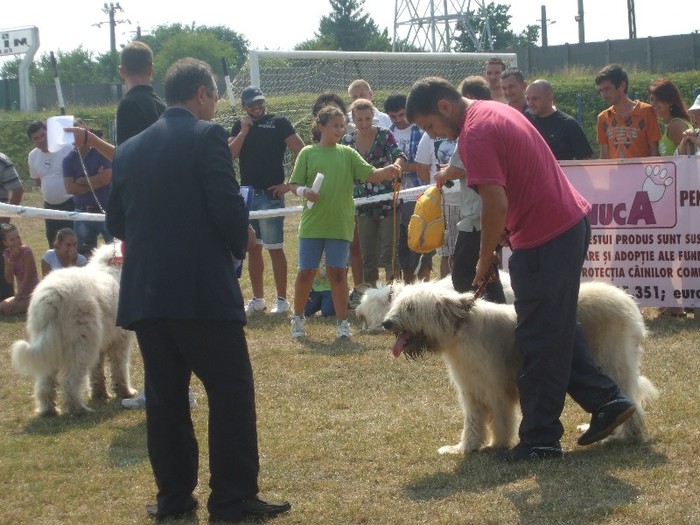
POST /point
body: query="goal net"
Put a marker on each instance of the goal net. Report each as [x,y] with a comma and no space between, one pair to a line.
[292,80]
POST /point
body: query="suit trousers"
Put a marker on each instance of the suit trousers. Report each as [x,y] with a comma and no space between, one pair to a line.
[555,357]
[217,353]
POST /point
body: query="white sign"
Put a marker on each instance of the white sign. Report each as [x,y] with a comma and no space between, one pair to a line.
[16,41]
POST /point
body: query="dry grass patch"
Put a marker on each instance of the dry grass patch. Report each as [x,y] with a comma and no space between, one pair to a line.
[350,436]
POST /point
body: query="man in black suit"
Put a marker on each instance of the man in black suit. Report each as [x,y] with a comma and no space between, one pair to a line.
[175,202]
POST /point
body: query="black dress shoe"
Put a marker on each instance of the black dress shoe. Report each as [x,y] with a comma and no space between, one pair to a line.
[189,508]
[254,509]
[525,450]
[606,419]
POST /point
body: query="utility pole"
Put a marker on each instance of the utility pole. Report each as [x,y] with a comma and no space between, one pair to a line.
[544,20]
[109,9]
[631,19]
[581,27]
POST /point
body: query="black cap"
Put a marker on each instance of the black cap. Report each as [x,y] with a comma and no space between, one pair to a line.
[251,94]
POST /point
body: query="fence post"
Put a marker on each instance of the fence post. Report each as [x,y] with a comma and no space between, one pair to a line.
[579,109]
[650,55]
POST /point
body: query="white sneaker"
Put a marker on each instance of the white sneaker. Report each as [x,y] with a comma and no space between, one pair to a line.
[136,402]
[255,305]
[140,400]
[281,307]
[343,329]
[298,327]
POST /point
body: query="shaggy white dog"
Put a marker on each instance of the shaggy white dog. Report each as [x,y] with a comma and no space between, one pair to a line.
[477,342]
[375,302]
[71,326]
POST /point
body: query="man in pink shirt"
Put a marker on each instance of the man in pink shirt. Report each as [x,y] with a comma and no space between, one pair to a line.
[526,195]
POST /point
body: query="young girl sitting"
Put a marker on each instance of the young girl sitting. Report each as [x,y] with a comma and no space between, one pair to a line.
[64,253]
[328,226]
[19,264]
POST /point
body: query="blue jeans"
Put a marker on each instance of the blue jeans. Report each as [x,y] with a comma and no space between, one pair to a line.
[87,232]
[319,301]
[269,231]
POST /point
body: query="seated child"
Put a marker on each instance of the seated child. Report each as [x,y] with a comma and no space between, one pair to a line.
[19,265]
[320,298]
[64,253]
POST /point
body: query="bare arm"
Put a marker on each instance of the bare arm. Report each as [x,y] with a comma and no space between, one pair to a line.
[392,171]
[16,196]
[493,222]
[423,172]
[235,144]
[83,137]
[45,268]
[450,173]
[29,272]
[604,151]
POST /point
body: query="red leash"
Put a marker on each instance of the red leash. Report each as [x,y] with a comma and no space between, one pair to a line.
[490,278]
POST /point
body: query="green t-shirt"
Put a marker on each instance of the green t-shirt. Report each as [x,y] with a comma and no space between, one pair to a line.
[333,214]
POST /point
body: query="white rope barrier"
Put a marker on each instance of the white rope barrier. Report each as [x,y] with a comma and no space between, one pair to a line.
[41,213]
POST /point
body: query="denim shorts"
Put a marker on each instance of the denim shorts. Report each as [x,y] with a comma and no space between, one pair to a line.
[310,251]
[268,232]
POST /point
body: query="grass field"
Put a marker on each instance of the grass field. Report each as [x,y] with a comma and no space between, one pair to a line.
[350,436]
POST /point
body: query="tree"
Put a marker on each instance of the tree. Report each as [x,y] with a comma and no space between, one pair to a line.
[347,28]
[502,36]
[172,42]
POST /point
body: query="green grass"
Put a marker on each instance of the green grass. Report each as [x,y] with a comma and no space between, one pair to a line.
[350,436]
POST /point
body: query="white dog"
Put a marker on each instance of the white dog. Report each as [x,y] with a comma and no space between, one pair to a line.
[477,342]
[375,302]
[71,326]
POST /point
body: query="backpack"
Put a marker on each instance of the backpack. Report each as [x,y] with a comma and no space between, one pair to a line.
[426,229]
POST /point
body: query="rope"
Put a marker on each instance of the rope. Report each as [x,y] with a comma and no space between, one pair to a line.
[394,231]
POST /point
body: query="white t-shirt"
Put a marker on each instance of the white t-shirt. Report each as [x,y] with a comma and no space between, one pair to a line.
[469,202]
[380,119]
[54,262]
[433,155]
[47,167]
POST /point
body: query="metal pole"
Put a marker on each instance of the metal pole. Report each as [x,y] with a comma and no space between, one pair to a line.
[581,27]
[544,26]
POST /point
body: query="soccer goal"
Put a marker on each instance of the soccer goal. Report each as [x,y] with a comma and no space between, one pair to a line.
[296,78]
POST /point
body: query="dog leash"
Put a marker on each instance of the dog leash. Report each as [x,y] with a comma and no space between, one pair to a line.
[489,278]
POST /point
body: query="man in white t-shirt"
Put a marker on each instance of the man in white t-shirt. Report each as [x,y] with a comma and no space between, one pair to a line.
[46,169]
[433,155]
[360,89]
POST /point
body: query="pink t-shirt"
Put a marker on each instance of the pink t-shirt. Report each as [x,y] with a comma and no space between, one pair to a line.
[498,145]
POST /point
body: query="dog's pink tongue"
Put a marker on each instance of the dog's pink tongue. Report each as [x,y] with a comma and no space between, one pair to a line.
[399,344]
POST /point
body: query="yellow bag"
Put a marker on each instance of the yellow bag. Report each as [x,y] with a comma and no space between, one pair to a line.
[426,229]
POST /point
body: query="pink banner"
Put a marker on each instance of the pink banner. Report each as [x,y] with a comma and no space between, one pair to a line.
[646,226]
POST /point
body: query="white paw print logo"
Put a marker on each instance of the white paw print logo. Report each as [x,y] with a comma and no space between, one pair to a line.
[656,182]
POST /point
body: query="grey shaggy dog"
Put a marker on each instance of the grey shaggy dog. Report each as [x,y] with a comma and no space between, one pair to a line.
[71,323]
[476,339]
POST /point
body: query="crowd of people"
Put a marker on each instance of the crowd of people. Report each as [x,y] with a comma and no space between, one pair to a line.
[475,134]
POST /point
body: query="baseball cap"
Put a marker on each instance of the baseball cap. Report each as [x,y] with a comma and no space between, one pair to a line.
[251,94]
[696,105]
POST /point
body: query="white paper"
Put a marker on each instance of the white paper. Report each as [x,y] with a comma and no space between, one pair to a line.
[316,188]
[57,138]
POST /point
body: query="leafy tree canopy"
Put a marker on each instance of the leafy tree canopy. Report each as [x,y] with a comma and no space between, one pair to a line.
[501,34]
[169,43]
[348,28]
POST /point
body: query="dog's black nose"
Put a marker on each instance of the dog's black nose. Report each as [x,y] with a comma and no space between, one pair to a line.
[388,324]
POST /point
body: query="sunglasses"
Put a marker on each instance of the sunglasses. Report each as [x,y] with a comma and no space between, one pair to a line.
[255,103]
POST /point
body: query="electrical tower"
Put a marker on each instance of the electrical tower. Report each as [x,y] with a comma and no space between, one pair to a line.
[430,24]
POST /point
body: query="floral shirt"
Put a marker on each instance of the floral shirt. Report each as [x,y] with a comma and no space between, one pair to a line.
[383,152]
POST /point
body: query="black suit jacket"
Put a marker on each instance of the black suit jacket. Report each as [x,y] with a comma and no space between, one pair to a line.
[175,202]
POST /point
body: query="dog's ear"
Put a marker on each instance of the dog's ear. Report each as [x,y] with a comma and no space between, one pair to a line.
[454,306]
